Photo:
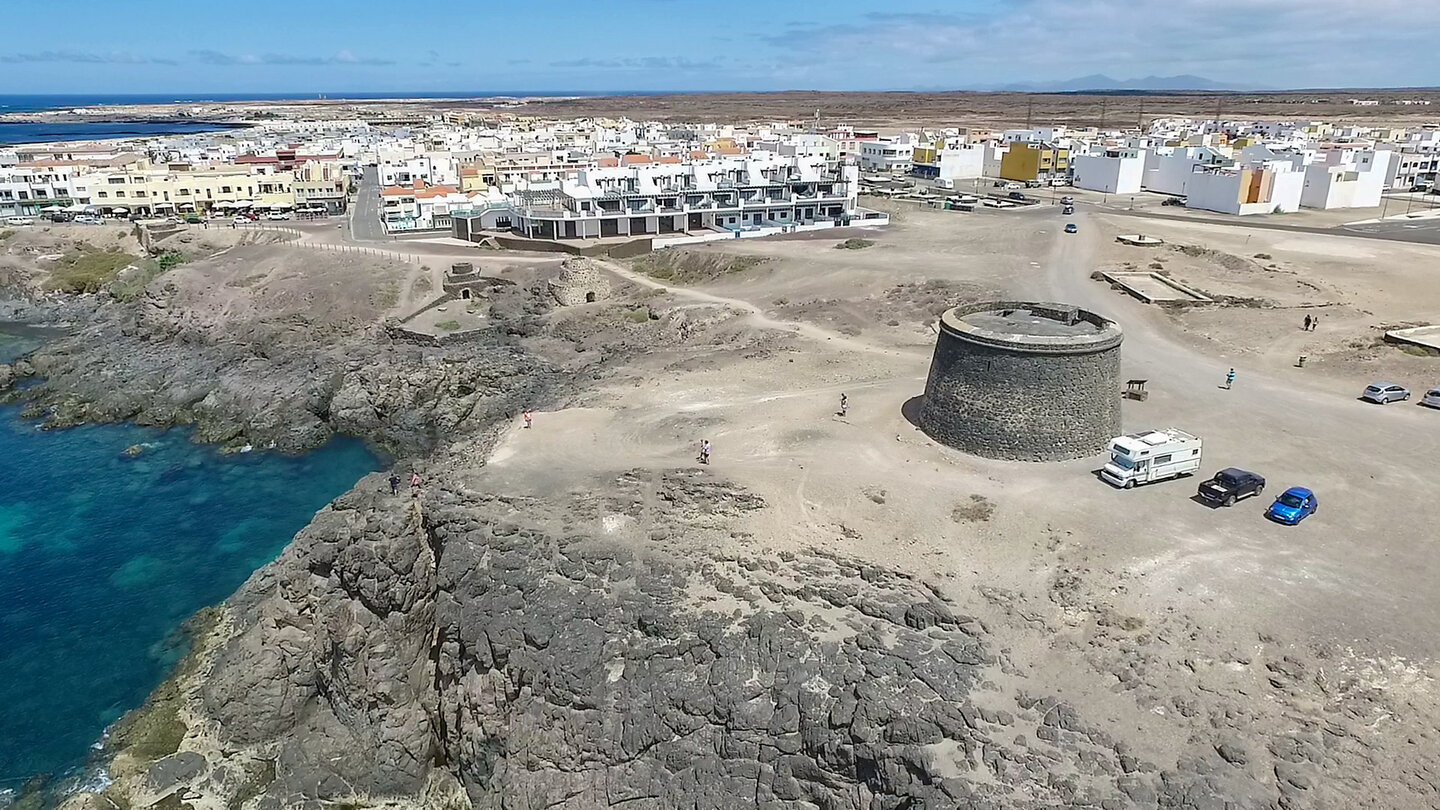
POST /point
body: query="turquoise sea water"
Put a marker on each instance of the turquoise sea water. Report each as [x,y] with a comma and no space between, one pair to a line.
[103,556]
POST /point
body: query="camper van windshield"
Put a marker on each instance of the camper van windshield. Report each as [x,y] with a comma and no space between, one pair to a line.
[1121,461]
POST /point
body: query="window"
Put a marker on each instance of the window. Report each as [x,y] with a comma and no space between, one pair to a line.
[119,194]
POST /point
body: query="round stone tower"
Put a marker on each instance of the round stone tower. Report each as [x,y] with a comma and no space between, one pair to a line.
[1026,381]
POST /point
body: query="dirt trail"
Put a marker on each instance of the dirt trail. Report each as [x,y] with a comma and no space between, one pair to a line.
[755,315]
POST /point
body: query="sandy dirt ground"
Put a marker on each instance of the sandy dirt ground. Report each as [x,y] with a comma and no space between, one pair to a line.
[1160,618]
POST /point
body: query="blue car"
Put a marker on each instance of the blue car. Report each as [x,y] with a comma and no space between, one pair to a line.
[1294,505]
[1070,228]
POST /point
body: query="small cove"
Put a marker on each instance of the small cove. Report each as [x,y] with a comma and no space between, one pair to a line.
[104,555]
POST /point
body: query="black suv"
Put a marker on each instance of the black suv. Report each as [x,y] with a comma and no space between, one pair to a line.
[1230,485]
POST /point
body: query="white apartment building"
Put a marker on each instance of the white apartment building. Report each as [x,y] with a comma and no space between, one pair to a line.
[755,191]
[965,162]
[886,156]
[1414,165]
[1346,178]
[1262,189]
[28,188]
[1116,171]
[1168,170]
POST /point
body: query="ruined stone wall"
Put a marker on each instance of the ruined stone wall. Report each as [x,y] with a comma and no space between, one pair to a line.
[1022,402]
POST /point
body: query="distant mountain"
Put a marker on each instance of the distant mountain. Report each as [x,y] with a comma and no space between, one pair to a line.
[1105,83]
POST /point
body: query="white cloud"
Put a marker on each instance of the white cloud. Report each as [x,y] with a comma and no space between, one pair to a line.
[1258,42]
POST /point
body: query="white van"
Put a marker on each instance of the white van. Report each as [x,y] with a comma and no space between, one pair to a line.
[1154,455]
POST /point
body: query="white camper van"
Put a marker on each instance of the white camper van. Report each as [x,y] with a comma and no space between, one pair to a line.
[1153,455]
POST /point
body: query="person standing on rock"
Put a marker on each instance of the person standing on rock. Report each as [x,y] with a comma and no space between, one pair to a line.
[529,419]
[704,451]
[394,483]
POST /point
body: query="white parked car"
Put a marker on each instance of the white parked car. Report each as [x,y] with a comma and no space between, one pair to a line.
[19,221]
[241,220]
[87,219]
[277,215]
[1384,393]
[1431,398]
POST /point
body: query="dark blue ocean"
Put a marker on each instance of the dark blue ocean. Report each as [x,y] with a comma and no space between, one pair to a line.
[98,131]
[38,103]
[103,556]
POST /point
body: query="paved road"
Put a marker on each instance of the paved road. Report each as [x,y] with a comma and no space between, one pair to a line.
[1340,572]
[1418,231]
[365,214]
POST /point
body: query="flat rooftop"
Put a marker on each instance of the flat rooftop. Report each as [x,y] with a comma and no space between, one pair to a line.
[1025,322]
[1031,326]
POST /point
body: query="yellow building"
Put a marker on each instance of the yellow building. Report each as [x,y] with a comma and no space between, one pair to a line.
[476,177]
[178,189]
[1034,161]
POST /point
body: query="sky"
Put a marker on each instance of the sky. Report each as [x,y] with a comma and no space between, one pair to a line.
[330,46]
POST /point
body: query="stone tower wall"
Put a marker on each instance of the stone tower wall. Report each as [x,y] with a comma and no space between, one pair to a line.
[1029,402]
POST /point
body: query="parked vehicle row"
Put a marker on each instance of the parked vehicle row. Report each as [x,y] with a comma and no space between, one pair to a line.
[1156,455]
[1384,393]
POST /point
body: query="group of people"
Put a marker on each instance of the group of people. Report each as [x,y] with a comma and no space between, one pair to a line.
[414,483]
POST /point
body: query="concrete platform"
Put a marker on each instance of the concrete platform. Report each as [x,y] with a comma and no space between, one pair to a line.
[1426,336]
[1153,287]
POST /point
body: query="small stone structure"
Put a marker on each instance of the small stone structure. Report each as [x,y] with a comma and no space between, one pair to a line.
[1024,381]
[580,282]
[1139,240]
[463,280]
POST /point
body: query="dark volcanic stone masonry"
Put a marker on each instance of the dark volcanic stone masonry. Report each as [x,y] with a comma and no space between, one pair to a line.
[1025,381]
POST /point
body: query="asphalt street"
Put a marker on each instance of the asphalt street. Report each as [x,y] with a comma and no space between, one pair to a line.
[365,214]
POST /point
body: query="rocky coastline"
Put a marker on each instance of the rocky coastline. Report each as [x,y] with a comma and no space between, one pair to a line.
[610,638]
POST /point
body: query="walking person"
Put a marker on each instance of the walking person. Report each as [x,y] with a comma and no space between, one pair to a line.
[704,451]
[394,483]
[844,405]
[1230,379]
[529,419]
[414,484]
[1308,321]
[1314,322]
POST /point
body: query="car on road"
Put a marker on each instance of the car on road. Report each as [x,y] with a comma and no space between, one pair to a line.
[1059,182]
[19,221]
[1383,393]
[1070,228]
[1068,210]
[1294,505]
[277,215]
[193,219]
[1012,186]
[1033,184]
[1016,195]
[1431,398]
[240,220]
[1230,485]
[88,219]
[1172,201]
